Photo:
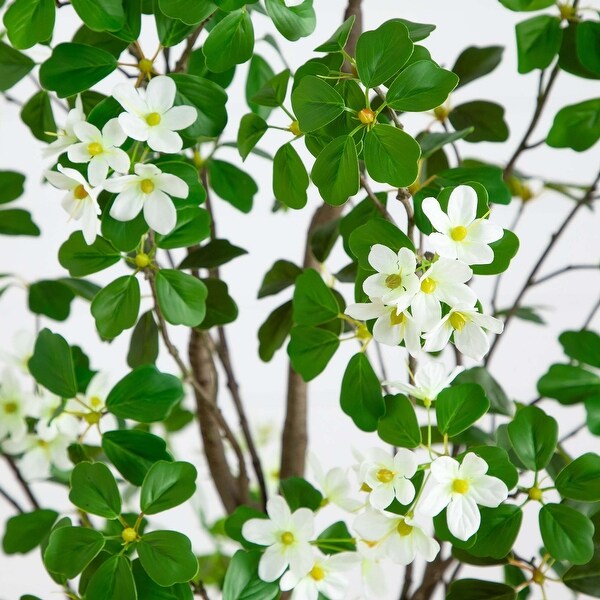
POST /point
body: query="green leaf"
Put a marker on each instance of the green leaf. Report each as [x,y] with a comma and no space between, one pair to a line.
[50,298]
[274,331]
[252,128]
[533,435]
[101,15]
[193,226]
[526,5]
[230,42]
[94,490]
[26,531]
[11,186]
[133,452]
[290,179]
[475,62]
[567,534]
[417,31]
[143,348]
[17,222]
[37,115]
[220,306]
[29,22]
[391,156]
[505,249]
[584,578]
[583,346]
[74,68]
[166,485]
[272,93]
[145,395]
[149,590]
[13,66]
[310,349]
[181,297]
[298,493]
[336,172]
[314,302]
[360,397]
[486,118]
[280,276]
[80,259]
[260,78]
[242,581]
[398,425]
[376,231]
[71,549]
[52,364]
[170,31]
[113,579]
[167,557]
[339,38]
[569,58]
[293,22]
[576,126]
[476,589]
[381,53]
[490,177]
[538,42]
[116,307]
[331,539]
[460,406]
[498,531]
[315,103]
[498,463]
[580,479]
[568,384]
[189,13]
[214,254]
[235,522]
[499,401]
[421,86]
[232,184]
[588,45]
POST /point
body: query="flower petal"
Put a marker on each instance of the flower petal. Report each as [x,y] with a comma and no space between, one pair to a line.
[426,310]
[365,310]
[445,469]
[404,490]
[304,523]
[172,185]
[279,511]
[383,259]
[160,94]
[488,491]
[436,499]
[401,549]
[113,133]
[130,99]
[407,261]
[405,463]
[119,184]
[135,127]
[474,253]
[160,212]
[386,333]
[432,209]
[444,246]
[78,153]
[462,206]
[60,180]
[164,140]
[472,467]
[381,496]
[272,563]
[127,204]
[118,160]
[426,546]
[86,132]
[472,341]
[179,117]
[260,531]
[300,556]
[97,170]
[463,517]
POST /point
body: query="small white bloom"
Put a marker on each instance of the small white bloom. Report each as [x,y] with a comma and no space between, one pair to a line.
[334,485]
[395,281]
[461,234]
[287,536]
[461,487]
[151,116]
[389,476]
[402,538]
[392,326]
[371,571]
[324,577]
[100,149]
[21,350]
[66,137]
[80,202]
[149,189]
[468,326]
[444,281]
[430,379]
[13,407]
[53,420]
[97,391]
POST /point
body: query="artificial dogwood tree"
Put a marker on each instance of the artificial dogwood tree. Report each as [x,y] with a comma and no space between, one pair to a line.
[444,485]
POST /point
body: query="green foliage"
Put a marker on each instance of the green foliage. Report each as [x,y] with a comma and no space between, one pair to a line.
[230,42]
[533,435]
[94,490]
[80,259]
[143,348]
[314,302]
[459,407]
[181,297]
[310,349]
[167,484]
[505,249]
[569,384]
[293,22]
[582,346]
[398,425]
[315,103]
[298,493]
[486,118]
[71,549]
[242,580]
[290,179]
[116,307]
[113,579]
[538,42]
[27,531]
[476,589]
[475,62]
[29,22]
[576,126]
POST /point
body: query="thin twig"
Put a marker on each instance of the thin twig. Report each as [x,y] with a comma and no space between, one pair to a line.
[376,202]
[403,196]
[11,500]
[564,270]
[591,315]
[24,485]
[573,433]
[181,64]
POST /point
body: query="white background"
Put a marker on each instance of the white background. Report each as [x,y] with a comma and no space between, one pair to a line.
[523,355]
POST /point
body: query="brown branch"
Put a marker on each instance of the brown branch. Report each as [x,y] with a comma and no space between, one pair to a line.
[403,197]
[181,64]
[11,500]
[374,199]
[432,577]
[22,482]
[589,318]
[564,270]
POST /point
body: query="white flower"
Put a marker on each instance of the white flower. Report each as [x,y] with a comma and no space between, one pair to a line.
[97,391]
[324,577]
[81,200]
[529,189]
[444,281]
[66,137]
[461,234]
[392,326]
[100,149]
[13,407]
[371,571]
[389,476]
[395,281]
[401,537]
[151,116]
[53,420]
[287,536]
[468,326]
[461,487]
[21,350]
[149,189]
[334,485]
[430,379]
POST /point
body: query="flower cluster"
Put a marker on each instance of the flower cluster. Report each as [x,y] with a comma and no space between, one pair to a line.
[149,117]
[392,521]
[416,297]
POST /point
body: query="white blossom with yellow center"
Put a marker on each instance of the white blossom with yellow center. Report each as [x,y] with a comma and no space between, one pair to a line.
[66,136]
[13,407]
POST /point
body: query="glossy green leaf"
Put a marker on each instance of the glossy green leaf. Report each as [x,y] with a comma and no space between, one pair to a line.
[17,222]
[499,401]
[189,13]
[476,589]
[310,349]
[181,297]
[298,493]
[220,306]
[113,579]
[274,331]
[11,186]
[230,42]
[314,302]
[460,406]
[538,42]
[376,231]
[498,531]
[499,464]
[50,298]
[526,5]
[486,118]
[214,254]
[29,22]
[339,38]
[293,22]
[580,479]
[37,115]
[26,531]
[101,15]
[584,578]
[290,179]
[315,103]
[533,435]
[583,346]
[116,307]
[505,249]
[149,590]
[71,549]
[143,348]
[14,65]
[166,485]
[398,426]
[576,126]
[568,384]
[232,184]
[588,45]
[94,490]
[281,275]
[80,259]
[332,536]
[242,581]
[193,226]
[252,128]
[475,62]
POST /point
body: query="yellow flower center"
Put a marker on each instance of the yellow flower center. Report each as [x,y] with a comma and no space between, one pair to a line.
[362,333]
[457,320]
[79,192]
[525,193]
[92,418]
[366,488]
[535,493]
[153,119]
[441,113]
[10,408]
[404,528]
[458,234]
[295,128]
[460,486]
[142,260]
[395,318]
[95,402]
[538,577]
[287,538]
[42,443]
[366,116]
[95,148]
[428,285]
[147,186]
[393,281]
[317,573]
[129,535]
[145,66]
[385,475]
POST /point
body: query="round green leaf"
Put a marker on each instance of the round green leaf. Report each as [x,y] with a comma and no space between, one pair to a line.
[232,184]
[230,42]
[310,349]
[274,331]
[167,484]
[190,13]
[220,306]
[576,126]
[29,22]
[26,531]
[398,425]
[101,15]
[569,384]
[71,549]
[17,222]
[112,580]
[80,259]
[538,42]
[293,22]
[14,65]
[50,298]
[116,307]
[580,479]
[94,490]
[314,302]
[290,179]
[498,531]
[476,589]
[181,297]
[242,580]
[460,406]
[298,493]
[505,249]
[315,103]
[38,116]
[486,118]
[475,62]
[149,590]
[252,128]
[583,346]
[533,435]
